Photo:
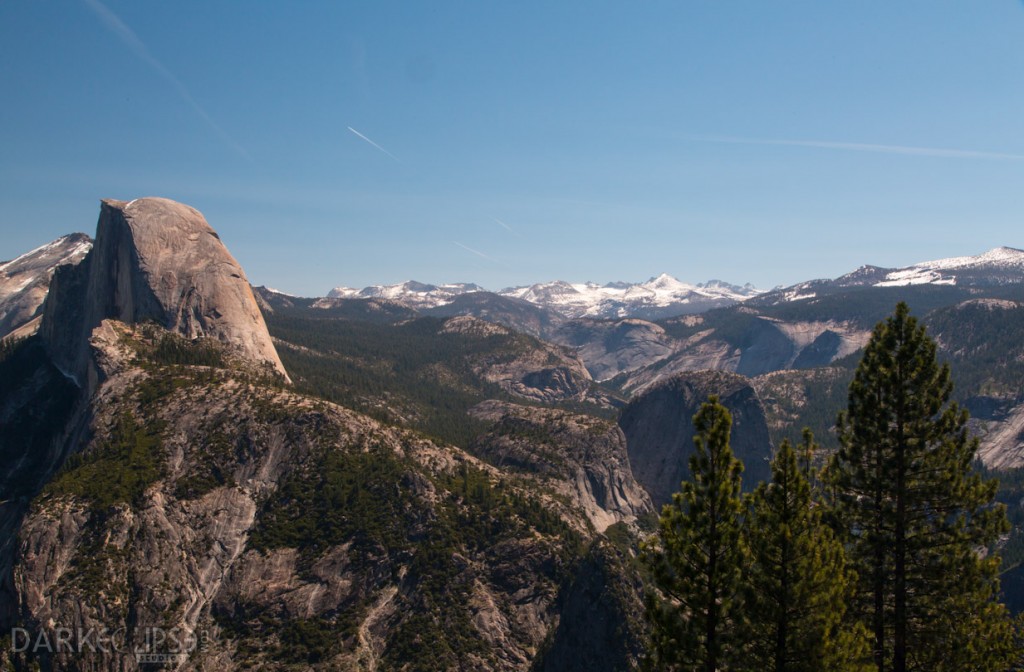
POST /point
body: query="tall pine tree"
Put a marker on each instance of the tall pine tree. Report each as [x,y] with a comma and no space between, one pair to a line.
[798,581]
[916,514]
[699,558]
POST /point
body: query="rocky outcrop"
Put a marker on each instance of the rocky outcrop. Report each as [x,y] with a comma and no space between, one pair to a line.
[277,530]
[25,281]
[531,369]
[659,429]
[581,457]
[153,260]
[750,345]
[612,348]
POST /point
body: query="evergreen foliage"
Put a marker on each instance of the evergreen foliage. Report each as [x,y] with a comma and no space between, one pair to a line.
[798,583]
[915,514]
[118,469]
[698,564]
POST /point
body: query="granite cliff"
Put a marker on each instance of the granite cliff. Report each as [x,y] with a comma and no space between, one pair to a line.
[153,260]
[658,426]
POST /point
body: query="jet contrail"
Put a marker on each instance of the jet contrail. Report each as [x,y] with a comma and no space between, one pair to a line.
[867,147]
[360,135]
[505,226]
[478,253]
[132,41]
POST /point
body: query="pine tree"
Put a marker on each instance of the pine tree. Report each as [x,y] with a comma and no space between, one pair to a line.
[916,514]
[798,582]
[697,566]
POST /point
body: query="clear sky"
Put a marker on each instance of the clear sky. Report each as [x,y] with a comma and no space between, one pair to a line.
[354,143]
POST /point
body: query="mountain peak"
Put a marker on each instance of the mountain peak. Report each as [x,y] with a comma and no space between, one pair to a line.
[153,259]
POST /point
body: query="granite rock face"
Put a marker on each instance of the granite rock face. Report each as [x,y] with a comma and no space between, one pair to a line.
[153,260]
[25,281]
[580,457]
[659,430]
[612,348]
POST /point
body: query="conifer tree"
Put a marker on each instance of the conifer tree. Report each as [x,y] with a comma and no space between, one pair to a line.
[798,582]
[698,560]
[916,515]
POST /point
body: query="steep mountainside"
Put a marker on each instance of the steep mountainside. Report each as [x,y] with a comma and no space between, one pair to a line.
[981,339]
[745,341]
[283,530]
[187,490]
[25,281]
[158,260]
[578,456]
[659,430]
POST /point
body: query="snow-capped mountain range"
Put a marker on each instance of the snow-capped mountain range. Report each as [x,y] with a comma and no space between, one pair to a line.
[665,296]
[24,282]
[662,296]
[998,266]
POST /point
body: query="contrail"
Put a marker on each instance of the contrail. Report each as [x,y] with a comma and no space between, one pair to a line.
[360,135]
[867,147]
[478,253]
[132,41]
[505,226]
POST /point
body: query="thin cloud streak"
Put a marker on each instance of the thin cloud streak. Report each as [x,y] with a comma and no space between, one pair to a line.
[479,253]
[360,135]
[505,226]
[867,147]
[139,48]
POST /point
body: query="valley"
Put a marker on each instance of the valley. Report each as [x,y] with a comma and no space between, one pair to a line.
[417,477]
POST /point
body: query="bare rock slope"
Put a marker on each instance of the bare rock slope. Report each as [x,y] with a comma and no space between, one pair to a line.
[154,260]
[25,281]
[580,457]
[659,429]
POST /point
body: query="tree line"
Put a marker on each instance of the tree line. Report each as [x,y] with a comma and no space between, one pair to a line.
[881,560]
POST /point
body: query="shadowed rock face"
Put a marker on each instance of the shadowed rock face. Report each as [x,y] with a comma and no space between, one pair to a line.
[659,430]
[25,281]
[153,260]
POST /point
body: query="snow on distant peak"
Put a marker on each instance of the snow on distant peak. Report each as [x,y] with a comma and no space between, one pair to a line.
[411,293]
[661,296]
[996,264]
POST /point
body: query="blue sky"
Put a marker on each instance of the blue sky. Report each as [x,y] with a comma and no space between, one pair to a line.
[355,143]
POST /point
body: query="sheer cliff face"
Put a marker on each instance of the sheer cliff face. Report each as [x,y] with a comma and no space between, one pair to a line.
[659,430]
[154,260]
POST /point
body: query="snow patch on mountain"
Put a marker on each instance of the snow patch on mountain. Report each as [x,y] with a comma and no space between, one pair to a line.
[997,261]
[25,280]
[411,293]
[661,296]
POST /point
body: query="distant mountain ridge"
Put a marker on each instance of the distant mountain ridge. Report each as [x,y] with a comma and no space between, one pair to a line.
[661,296]
[998,266]
[665,296]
